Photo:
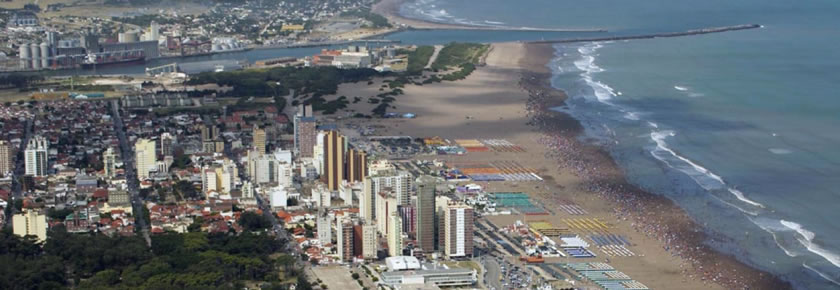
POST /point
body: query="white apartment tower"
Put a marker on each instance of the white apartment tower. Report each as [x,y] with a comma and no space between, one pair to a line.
[109,159]
[36,155]
[369,243]
[144,156]
[395,243]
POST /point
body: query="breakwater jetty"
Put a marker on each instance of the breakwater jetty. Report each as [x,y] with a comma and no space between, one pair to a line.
[655,35]
[327,43]
[506,28]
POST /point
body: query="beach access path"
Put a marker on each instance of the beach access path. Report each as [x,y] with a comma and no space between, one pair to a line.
[434,56]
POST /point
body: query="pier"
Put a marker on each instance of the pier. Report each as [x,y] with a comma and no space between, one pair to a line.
[655,35]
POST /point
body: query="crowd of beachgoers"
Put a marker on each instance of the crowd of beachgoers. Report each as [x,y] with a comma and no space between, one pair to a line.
[652,215]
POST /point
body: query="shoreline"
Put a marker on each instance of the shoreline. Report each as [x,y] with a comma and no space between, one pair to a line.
[653,215]
[509,98]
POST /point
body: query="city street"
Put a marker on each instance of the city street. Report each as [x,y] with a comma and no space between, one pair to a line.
[20,163]
[127,153]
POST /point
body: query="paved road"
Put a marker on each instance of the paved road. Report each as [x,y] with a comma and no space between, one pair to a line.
[127,153]
[494,271]
[20,163]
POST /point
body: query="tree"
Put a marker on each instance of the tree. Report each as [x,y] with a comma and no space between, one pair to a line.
[102,279]
[252,221]
[355,276]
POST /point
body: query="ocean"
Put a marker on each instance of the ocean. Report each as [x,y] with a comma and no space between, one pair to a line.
[739,128]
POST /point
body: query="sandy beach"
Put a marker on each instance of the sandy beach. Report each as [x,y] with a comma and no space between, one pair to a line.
[509,99]
[390,9]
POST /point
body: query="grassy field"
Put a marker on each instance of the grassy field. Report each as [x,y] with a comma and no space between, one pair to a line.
[418,59]
[457,54]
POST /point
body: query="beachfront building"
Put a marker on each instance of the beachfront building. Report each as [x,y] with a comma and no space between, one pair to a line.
[404,271]
[458,231]
[426,213]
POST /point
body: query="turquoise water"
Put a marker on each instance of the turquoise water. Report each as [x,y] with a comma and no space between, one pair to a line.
[739,128]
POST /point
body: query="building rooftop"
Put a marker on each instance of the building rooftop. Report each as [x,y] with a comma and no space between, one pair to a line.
[401,263]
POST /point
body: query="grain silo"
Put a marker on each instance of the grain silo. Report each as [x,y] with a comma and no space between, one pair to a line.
[36,55]
[45,54]
[25,56]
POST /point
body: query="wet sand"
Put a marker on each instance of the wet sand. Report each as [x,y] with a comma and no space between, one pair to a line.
[509,99]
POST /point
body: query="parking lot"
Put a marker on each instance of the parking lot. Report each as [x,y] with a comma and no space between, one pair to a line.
[336,277]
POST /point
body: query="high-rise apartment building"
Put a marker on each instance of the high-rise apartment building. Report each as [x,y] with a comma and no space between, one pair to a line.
[259,139]
[345,240]
[335,147]
[425,210]
[356,165]
[6,157]
[305,131]
[36,156]
[144,157]
[109,161]
[458,231]
[399,182]
[386,204]
[324,224]
[167,143]
[369,241]
[395,243]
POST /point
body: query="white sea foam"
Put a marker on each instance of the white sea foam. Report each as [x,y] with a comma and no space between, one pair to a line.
[823,275]
[705,178]
[780,151]
[743,210]
[773,227]
[603,93]
[631,116]
[806,238]
[740,195]
[494,22]
[653,125]
[679,88]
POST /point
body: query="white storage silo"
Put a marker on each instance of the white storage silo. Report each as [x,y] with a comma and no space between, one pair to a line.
[25,56]
[45,54]
[36,55]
